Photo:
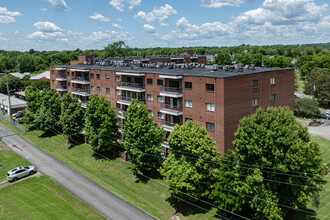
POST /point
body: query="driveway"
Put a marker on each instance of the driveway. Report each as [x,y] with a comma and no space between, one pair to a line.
[320,131]
[103,201]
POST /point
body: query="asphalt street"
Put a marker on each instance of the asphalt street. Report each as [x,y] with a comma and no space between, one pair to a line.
[103,201]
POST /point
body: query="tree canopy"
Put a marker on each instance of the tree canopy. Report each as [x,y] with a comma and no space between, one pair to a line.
[318,84]
[33,102]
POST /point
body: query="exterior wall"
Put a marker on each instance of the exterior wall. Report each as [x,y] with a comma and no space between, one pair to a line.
[154,90]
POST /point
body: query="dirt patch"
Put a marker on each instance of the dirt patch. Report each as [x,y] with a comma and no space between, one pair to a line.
[6,183]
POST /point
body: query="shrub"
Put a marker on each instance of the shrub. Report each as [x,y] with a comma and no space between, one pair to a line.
[305,107]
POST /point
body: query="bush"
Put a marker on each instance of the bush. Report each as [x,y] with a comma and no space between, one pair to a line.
[305,107]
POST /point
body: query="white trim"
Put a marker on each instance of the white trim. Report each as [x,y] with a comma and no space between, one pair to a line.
[130,74]
[120,116]
[123,102]
[130,89]
[177,58]
[170,77]
[81,93]
[167,128]
[171,112]
[80,82]
[79,70]
[60,68]
[59,79]
[62,90]
[169,94]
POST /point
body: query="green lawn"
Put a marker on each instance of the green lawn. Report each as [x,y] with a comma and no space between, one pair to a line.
[36,197]
[150,196]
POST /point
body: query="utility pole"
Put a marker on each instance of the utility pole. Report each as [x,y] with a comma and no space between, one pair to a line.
[9,106]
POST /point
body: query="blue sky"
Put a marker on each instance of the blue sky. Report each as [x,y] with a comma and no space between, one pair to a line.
[93,24]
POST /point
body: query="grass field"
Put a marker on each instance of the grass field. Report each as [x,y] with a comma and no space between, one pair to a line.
[114,175]
[36,197]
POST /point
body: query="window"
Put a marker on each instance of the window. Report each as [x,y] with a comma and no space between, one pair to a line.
[159,82]
[186,119]
[99,89]
[68,83]
[209,87]
[160,99]
[150,97]
[272,81]
[149,81]
[150,112]
[209,126]
[272,97]
[210,107]
[68,73]
[255,83]
[160,115]
[107,77]
[188,103]
[188,85]
[117,92]
[53,81]
[117,78]
[107,90]
[118,105]
[72,74]
[98,76]
[92,88]
[92,75]
[52,71]
[254,101]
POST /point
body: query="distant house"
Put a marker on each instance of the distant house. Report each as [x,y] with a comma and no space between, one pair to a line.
[15,104]
[41,76]
[20,95]
[18,75]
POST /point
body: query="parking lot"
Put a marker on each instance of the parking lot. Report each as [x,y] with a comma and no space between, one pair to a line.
[321,131]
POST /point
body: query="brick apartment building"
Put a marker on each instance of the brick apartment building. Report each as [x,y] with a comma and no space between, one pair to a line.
[216,98]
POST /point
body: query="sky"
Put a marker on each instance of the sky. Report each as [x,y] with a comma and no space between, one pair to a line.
[93,24]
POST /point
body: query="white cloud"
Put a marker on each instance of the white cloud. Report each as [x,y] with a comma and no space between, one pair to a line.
[148,28]
[117,26]
[223,3]
[105,37]
[73,33]
[38,35]
[43,9]
[120,4]
[7,17]
[160,14]
[99,17]
[47,27]
[59,5]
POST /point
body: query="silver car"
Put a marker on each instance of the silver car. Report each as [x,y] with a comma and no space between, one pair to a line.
[20,172]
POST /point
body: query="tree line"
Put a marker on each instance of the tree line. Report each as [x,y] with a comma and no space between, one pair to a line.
[274,168]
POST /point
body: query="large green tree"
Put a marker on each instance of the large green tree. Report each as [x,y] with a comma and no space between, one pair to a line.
[33,103]
[318,84]
[190,174]
[274,156]
[101,127]
[72,116]
[142,139]
[48,115]
[14,84]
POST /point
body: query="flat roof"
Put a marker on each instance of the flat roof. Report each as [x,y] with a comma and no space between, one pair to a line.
[14,102]
[198,71]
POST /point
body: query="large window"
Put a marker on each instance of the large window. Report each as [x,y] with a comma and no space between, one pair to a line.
[160,98]
[210,87]
[272,97]
[255,83]
[149,81]
[92,75]
[272,81]
[107,77]
[117,78]
[150,97]
[210,126]
[159,82]
[188,103]
[107,90]
[98,76]
[254,101]
[117,92]
[161,115]
[188,85]
[210,107]
[150,112]
[92,87]
[99,89]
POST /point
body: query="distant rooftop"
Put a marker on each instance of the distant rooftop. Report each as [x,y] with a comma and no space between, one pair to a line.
[44,75]
[18,75]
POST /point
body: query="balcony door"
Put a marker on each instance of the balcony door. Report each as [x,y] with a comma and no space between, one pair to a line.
[174,84]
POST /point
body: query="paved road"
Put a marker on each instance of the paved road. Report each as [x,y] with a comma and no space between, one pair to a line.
[321,131]
[103,201]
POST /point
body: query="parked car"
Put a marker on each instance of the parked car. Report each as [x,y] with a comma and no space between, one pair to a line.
[18,114]
[20,172]
[327,112]
[323,115]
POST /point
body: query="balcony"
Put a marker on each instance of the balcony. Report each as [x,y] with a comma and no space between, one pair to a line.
[173,92]
[133,87]
[175,110]
[83,104]
[60,77]
[121,114]
[61,88]
[80,80]
[80,91]
[168,126]
[124,100]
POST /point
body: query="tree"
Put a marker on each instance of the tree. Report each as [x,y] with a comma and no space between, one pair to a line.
[117,49]
[33,102]
[306,107]
[101,124]
[185,172]
[14,84]
[48,115]
[142,139]
[223,59]
[273,155]
[72,116]
[318,83]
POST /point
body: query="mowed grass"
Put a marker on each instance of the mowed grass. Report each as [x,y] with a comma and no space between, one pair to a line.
[114,175]
[36,197]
